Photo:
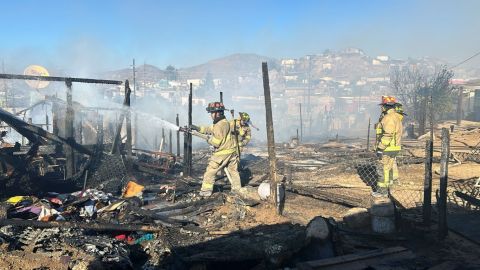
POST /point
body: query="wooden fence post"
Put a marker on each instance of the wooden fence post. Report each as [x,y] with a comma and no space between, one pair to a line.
[442,200]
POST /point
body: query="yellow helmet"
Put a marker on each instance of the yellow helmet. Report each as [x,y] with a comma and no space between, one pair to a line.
[399,108]
[244,116]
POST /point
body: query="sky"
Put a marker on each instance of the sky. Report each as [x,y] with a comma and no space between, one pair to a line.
[105,35]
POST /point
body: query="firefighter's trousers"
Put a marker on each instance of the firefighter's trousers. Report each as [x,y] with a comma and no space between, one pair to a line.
[217,163]
[389,171]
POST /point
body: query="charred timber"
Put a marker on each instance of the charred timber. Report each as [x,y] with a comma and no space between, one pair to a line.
[57,79]
[32,132]
[325,195]
[81,225]
[126,102]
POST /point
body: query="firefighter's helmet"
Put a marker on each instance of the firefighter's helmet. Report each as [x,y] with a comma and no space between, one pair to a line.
[399,108]
[215,107]
[388,100]
[244,116]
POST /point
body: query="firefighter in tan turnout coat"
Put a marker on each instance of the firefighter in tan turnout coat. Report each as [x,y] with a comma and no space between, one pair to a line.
[225,153]
[241,128]
[389,137]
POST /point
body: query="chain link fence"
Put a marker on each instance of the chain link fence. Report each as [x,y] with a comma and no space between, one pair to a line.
[346,169]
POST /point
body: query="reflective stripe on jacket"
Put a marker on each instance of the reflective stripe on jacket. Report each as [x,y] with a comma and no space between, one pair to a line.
[391,132]
[221,138]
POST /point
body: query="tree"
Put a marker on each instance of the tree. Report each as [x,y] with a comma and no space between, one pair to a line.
[414,88]
[171,73]
[207,88]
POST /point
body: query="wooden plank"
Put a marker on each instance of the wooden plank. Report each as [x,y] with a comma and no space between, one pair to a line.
[327,195]
[359,261]
[445,266]
[468,198]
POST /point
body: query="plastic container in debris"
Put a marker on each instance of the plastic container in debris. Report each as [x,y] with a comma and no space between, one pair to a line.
[383,216]
[264,190]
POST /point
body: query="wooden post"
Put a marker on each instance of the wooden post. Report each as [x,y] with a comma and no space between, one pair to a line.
[460,106]
[270,138]
[79,128]
[178,136]
[221,97]
[128,143]
[368,135]
[163,140]
[100,133]
[55,113]
[301,122]
[170,143]
[187,143]
[47,124]
[442,201]
[427,184]
[423,112]
[69,132]
[432,117]
[117,137]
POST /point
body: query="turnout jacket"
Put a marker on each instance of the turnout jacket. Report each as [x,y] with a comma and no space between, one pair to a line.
[221,137]
[390,131]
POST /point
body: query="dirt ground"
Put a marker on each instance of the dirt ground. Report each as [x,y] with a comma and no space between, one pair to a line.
[341,168]
[21,260]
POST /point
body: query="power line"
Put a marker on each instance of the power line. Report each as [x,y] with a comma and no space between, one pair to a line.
[466,60]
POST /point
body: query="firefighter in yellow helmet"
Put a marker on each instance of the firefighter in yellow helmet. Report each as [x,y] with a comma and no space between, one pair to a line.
[241,129]
[225,153]
[389,135]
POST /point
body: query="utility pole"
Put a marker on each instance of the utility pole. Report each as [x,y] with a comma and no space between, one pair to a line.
[134,82]
[309,105]
[178,136]
[301,122]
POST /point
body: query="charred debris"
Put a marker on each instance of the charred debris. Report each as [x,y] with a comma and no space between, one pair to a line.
[67,204]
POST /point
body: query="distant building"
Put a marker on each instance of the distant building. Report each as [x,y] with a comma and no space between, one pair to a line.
[290,77]
[383,58]
[288,64]
[195,82]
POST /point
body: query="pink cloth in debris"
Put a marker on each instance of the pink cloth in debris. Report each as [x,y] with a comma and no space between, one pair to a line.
[32,209]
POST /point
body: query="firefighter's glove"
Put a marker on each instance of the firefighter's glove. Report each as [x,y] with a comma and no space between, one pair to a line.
[193,127]
[379,154]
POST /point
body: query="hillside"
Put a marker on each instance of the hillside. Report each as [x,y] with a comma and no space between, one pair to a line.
[230,66]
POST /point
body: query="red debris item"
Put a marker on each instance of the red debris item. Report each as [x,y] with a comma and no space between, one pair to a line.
[56,201]
[121,237]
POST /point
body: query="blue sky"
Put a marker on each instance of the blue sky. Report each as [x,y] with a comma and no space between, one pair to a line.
[103,34]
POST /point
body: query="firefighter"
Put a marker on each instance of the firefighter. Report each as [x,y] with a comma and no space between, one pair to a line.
[241,128]
[225,153]
[389,134]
